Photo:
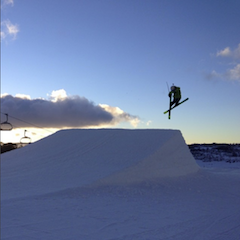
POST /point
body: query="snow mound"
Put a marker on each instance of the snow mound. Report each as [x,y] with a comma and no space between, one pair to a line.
[94,157]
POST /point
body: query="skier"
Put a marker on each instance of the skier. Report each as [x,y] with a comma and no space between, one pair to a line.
[176,95]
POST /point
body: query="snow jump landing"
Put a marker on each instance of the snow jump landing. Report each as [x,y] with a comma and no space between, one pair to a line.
[83,157]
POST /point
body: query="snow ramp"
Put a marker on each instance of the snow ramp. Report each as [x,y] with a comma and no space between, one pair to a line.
[76,158]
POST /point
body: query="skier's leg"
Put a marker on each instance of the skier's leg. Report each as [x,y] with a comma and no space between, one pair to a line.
[177,101]
[173,102]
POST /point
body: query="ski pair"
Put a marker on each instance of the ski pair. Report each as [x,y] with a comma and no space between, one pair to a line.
[169,110]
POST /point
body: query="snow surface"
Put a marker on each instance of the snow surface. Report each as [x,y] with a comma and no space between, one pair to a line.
[116,184]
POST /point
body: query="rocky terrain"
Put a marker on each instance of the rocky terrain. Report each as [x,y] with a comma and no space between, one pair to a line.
[216,152]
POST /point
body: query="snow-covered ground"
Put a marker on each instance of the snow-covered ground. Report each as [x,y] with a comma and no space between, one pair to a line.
[117,184]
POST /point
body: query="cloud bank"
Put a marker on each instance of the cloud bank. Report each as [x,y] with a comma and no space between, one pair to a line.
[61,111]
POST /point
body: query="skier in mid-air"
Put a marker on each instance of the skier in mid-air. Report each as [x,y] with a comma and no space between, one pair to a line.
[176,92]
[176,95]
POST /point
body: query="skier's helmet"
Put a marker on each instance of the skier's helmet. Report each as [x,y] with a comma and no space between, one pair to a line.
[172,88]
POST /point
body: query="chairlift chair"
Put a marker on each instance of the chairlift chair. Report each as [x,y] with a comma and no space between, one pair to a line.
[25,139]
[6,126]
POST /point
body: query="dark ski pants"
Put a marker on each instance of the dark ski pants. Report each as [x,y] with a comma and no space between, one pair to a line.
[175,101]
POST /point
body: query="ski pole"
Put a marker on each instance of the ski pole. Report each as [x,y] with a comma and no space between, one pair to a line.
[168,87]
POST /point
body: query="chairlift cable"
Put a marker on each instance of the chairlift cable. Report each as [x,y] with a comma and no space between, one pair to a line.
[28,123]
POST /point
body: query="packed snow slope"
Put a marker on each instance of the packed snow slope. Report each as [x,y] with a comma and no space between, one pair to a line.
[116,184]
[76,158]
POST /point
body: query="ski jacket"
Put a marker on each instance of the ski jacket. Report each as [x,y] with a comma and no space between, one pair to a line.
[176,93]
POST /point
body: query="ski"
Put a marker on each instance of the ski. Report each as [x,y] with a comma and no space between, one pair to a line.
[169,110]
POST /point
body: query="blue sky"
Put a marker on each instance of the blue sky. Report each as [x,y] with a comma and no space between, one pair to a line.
[121,54]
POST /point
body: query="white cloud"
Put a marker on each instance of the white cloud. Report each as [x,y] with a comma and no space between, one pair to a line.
[58,95]
[234,74]
[224,53]
[227,52]
[229,74]
[4,94]
[9,30]
[23,96]
[120,116]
